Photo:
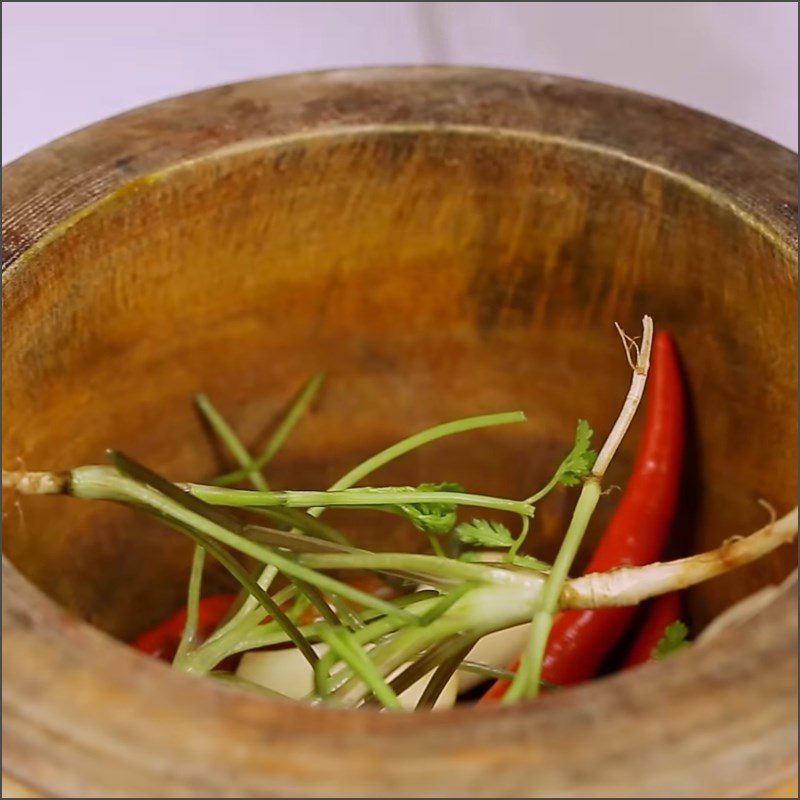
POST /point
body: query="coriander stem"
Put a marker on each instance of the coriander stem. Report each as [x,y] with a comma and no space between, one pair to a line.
[486,670]
[248,614]
[404,646]
[226,434]
[480,611]
[359,472]
[300,521]
[371,632]
[526,682]
[422,564]
[349,498]
[544,491]
[520,540]
[106,483]
[354,656]
[436,545]
[444,604]
[622,587]
[348,615]
[418,669]
[282,432]
[245,685]
[424,437]
[495,673]
[213,547]
[443,673]
[189,634]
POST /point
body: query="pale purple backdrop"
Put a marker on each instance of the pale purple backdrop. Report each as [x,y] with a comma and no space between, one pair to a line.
[66,65]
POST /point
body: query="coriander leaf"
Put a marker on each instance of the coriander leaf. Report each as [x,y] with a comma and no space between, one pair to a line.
[577,465]
[530,562]
[484,533]
[580,459]
[436,518]
[674,639]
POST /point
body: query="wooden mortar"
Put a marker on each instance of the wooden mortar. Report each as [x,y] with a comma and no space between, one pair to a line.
[442,242]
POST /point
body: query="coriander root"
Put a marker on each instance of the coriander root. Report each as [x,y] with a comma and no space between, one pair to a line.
[627,586]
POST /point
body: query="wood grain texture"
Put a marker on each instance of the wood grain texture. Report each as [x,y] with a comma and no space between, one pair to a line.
[442,242]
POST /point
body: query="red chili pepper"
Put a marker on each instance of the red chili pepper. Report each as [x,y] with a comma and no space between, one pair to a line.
[162,641]
[664,611]
[637,533]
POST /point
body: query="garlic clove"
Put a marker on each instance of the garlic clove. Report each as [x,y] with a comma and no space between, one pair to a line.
[284,671]
[288,673]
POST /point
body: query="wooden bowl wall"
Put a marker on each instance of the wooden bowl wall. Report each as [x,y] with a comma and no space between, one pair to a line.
[442,242]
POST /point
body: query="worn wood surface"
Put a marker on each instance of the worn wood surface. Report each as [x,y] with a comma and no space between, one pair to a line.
[442,242]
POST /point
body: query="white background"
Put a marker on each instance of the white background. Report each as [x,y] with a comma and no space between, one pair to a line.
[66,65]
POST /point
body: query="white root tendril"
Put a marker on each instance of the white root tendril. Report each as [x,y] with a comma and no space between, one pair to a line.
[773,514]
[628,586]
[631,346]
[640,367]
[35,482]
[745,609]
